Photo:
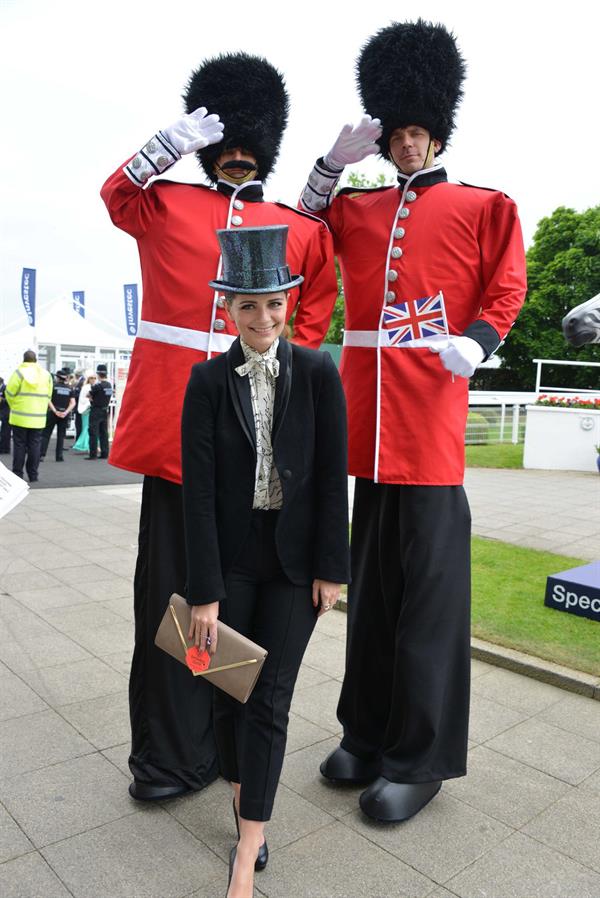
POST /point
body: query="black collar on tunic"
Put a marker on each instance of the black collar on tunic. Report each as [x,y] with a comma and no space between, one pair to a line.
[425,179]
[251,193]
[239,389]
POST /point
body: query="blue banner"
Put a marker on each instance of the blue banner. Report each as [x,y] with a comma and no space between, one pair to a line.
[79,302]
[28,293]
[131,308]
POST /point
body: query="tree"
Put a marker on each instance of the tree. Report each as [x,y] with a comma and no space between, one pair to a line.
[335,334]
[563,270]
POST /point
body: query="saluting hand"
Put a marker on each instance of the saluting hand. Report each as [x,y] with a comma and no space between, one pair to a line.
[354,143]
[195,131]
[325,595]
[203,626]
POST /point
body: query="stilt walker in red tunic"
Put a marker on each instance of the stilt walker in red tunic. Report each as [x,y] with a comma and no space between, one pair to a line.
[434,277]
[236,112]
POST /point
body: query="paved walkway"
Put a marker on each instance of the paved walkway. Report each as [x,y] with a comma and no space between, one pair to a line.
[524,823]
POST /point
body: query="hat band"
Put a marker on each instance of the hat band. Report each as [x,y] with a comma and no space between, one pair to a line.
[265,277]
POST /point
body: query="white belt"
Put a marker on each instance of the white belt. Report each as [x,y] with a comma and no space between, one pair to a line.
[184,336]
[371,339]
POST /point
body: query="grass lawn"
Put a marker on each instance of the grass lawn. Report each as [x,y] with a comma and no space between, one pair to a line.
[495,455]
[509,584]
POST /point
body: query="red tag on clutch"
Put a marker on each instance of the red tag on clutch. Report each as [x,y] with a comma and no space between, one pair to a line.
[197,660]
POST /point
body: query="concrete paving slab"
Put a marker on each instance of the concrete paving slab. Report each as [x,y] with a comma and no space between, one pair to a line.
[30,877]
[30,580]
[444,838]
[326,654]
[60,596]
[293,818]
[17,699]
[302,732]
[505,789]
[554,751]
[70,798]
[308,676]
[488,718]
[336,862]
[508,689]
[121,605]
[145,855]
[102,721]
[571,826]
[318,705]
[38,740]
[522,868]
[576,714]
[118,755]
[79,681]
[76,619]
[107,589]
[119,661]
[85,573]
[333,624]
[13,841]
[40,646]
[117,637]
[301,773]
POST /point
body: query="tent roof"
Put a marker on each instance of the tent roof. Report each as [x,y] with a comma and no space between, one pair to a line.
[58,322]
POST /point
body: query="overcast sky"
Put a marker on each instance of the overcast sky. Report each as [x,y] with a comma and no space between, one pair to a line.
[86,84]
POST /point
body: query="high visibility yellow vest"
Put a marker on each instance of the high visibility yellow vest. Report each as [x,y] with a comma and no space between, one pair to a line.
[28,392]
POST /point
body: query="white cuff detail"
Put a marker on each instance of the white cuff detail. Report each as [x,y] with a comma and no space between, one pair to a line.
[154,158]
[318,193]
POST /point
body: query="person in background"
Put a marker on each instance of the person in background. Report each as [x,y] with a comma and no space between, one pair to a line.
[28,392]
[79,379]
[83,410]
[265,498]
[99,398]
[4,424]
[61,404]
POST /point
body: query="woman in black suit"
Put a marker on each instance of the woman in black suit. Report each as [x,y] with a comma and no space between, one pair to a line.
[266,516]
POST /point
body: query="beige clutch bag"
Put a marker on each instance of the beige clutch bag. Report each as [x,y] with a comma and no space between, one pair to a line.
[234,667]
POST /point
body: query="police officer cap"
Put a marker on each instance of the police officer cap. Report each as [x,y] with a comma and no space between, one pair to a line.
[63,373]
[101,369]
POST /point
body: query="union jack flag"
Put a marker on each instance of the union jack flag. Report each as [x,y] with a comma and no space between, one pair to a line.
[415,319]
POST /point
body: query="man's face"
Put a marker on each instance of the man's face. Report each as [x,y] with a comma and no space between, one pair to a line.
[412,148]
[226,165]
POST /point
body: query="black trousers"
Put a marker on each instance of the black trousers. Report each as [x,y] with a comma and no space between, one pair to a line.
[405,696]
[170,710]
[5,430]
[264,605]
[26,450]
[78,425]
[61,424]
[98,430]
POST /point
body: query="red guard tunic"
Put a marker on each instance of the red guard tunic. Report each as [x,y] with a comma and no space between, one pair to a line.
[183,321]
[407,414]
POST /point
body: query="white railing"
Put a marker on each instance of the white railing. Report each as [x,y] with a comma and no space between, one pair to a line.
[538,377]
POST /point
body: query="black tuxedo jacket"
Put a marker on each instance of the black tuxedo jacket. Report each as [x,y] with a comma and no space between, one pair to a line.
[219,463]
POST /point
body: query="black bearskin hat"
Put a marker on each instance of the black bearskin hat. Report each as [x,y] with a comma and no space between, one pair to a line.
[411,73]
[249,95]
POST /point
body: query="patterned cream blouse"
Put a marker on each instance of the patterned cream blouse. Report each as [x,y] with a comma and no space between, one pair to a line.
[263,369]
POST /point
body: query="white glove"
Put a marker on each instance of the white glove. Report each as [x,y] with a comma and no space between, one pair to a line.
[461,355]
[194,131]
[354,143]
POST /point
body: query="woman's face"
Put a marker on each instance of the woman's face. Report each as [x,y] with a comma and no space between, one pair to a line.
[259,318]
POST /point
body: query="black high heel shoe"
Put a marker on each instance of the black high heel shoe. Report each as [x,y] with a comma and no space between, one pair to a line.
[262,858]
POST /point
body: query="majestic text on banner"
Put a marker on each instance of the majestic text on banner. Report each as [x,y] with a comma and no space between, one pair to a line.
[28,293]
[131,308]
[79,302]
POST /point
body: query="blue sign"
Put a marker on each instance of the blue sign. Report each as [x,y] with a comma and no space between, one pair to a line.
[576,591]
[28,293]
[79,302]
[131,308]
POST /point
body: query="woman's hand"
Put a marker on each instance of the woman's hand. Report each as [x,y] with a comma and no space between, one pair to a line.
[203,626]
[325,594]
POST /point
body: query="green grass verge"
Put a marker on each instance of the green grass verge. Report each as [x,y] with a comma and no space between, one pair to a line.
[509,584]
[495,455]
